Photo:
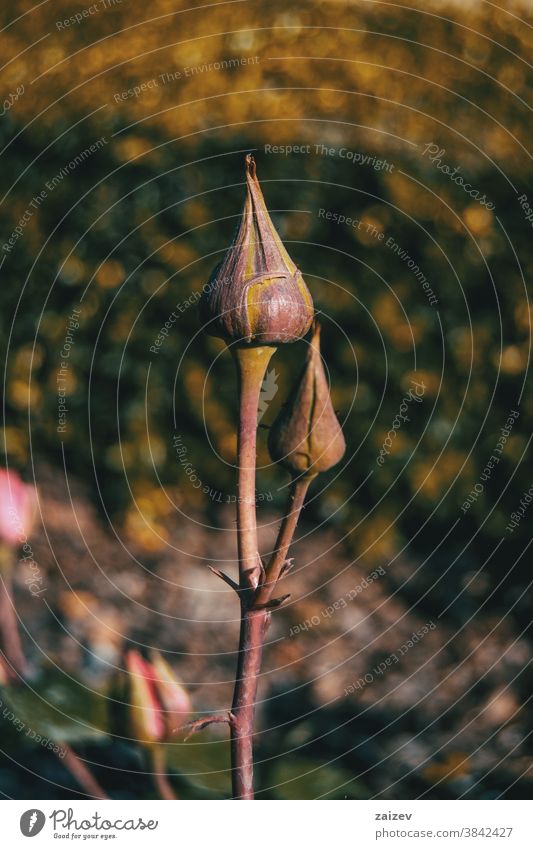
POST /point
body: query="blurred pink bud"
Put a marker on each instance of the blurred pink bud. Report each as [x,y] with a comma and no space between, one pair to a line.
[158,703]
[17,508]
[174,698]
[146,716]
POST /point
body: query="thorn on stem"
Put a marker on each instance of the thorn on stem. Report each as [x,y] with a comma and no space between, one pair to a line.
[287,566]
[226,578]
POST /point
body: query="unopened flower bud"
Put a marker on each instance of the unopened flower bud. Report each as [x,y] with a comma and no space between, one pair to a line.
[256,295]
[306,437]
[174,698]
[158,703]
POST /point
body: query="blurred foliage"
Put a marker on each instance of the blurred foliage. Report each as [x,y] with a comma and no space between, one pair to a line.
[35,729]
[58,708]
[136,228]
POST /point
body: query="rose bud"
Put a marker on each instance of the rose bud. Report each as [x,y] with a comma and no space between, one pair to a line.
[145,714]
[256,295]
[158,703]
[17,508]
[174,698]
[306,437]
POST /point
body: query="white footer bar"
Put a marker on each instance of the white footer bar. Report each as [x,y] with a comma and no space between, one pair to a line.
[264,825]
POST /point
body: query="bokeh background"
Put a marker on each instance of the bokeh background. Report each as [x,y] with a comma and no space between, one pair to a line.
[129,233]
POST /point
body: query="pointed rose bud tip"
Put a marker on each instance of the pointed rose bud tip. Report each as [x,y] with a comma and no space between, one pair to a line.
[256,295]
[251,168]
[306,437]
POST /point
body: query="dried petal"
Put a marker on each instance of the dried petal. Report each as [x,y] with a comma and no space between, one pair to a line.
[256,295]
[306,437]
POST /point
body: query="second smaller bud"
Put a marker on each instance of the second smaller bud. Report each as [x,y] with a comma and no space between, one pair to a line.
[306,437]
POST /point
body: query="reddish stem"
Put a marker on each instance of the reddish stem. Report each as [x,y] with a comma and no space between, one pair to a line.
[254,625]
[81,773]
[251,367]
[160,774]
[297,495]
